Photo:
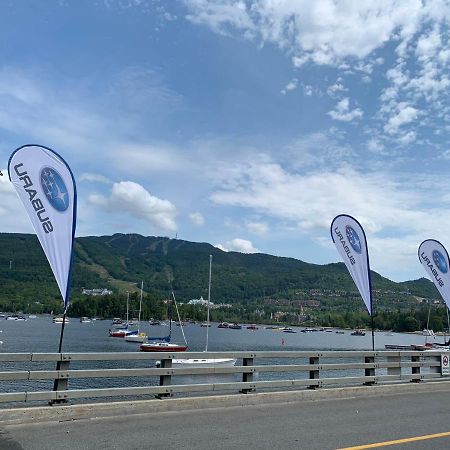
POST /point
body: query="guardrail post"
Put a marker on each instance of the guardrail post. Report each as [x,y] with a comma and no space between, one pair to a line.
[314,374]
[370,372]
[436,358]
[247,377]
[165,380]
[397,371]
[62,382]
[415,370]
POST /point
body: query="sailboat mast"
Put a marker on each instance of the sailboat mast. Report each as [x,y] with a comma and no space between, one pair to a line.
[209,302]
[128,300]
[140,306]
[179,318]
[428,322]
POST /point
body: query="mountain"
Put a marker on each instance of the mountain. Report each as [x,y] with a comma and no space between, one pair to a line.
[121,261]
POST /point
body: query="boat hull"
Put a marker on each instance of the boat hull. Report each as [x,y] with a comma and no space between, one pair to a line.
[203,362]
[136,338]
[162,347]
[122,333]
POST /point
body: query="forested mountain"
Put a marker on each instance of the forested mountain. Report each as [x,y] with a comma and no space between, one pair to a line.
[120,262]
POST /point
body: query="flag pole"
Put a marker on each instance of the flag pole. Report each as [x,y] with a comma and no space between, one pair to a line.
[62,332]
[59,384]
[373,332]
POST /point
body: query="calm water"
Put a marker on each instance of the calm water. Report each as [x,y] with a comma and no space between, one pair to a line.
[42,336]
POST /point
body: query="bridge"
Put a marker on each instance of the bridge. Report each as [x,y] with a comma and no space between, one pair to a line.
[309,400]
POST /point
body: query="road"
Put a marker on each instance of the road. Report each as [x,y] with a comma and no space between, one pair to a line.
[324,424]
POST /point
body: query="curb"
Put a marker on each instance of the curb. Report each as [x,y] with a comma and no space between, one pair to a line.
[39,414]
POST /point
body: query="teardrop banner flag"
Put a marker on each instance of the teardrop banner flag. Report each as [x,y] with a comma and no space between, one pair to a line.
[434,258]
[350,240]
[46,186]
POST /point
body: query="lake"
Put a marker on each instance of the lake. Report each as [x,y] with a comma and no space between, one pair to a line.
[40,335]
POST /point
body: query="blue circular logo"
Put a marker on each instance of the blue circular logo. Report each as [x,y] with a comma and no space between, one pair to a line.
[54,189]
[353,238]
[440,261]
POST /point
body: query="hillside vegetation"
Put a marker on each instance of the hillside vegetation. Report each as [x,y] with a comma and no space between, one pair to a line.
[257,286]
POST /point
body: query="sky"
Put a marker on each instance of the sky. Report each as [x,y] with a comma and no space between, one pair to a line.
[248,124]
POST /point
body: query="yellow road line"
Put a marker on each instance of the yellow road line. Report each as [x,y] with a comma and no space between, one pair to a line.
[398,441]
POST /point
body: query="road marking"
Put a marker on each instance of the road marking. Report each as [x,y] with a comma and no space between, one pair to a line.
[398,441]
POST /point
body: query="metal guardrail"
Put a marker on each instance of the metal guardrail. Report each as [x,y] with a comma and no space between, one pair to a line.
[378,367]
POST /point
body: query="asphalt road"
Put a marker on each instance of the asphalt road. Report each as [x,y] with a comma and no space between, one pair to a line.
[325,424]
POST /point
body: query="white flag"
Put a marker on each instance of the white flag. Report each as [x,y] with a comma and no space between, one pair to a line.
[350,240]
[434,258]
[46,186]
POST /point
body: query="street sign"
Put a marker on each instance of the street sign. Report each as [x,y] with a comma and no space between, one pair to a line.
[445,365]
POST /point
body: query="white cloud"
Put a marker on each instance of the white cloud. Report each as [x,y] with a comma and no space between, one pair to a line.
[135,87]
[407,138]
[409,40]
[324,32]
[12,213]
[221,247]
[258,228]
[308,90]
[290,86]
[238,245]
[428,45]
[336,88]
[153,158]
[309,200]
[375,146]
[129,197]
[405,115]
[95,178]
[395,211]
[197,218]
[343,112]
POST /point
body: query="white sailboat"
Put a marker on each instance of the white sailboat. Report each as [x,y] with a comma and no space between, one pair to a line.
[164,344]
[138,337]
[205,362]
[120,329]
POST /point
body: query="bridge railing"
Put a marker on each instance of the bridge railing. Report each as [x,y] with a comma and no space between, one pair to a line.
[254,372]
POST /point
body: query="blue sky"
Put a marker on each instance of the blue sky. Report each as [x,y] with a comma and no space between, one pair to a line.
[248,124]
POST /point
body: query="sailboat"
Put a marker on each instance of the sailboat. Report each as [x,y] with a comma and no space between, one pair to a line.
[121,329]
[138,337]
[163,344]
[205,362]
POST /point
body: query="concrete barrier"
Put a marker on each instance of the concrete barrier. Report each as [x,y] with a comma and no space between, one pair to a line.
[126,409]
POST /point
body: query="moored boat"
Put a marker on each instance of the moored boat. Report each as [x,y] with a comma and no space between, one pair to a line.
[162,347]
[122,332]
[288,330]
[202,362]
[358,333]
[139,337]
[60,319]
[416,347]
[205,362]
[428,332]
